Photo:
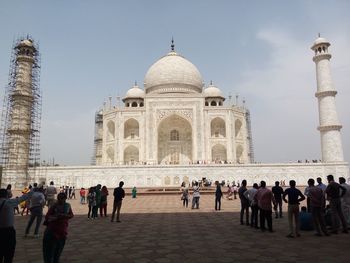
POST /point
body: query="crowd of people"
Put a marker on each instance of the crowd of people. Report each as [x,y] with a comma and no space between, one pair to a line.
[258,205]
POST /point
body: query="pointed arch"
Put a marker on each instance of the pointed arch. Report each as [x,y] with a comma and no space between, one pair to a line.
[219,153]
[131,155]
[218,127]
[238,127]
[110,130]
[131,129]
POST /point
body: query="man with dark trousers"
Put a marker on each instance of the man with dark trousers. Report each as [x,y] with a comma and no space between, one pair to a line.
[244,203]
[277,191]
[119,194]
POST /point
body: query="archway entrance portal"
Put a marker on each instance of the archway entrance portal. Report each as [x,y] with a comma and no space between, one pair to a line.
[174,141]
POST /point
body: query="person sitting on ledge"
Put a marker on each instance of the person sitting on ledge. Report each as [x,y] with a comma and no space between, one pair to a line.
[305,220]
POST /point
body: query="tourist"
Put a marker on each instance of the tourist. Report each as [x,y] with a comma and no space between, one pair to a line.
[91,200]
[277,191]
[250,194]
[70,192]
[37,202]
[56,221]
[244,203]
[320,184]
[334,192]
[118,194]
[264,197]
[98,200]
[9,191]
[103,205]
[73,193]
[25,204]
[317,204]
[294,199]
[306,193]
[305,220]
[184,194]
[218,196]
[229,193]
[66,190]
[345,200]
[235,191]
[82,195]
[134,192]
[50,194]
[196,195]
[7,230]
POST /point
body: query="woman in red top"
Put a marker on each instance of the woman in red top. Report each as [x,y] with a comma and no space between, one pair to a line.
[56,231]
[82,196]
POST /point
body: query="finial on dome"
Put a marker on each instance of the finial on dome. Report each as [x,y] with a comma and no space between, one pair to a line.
[135,84]
[211,82]
[172,44]
[319,34]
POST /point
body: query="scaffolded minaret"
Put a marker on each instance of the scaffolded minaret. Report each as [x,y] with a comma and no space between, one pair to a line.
[20,127]
[332,150]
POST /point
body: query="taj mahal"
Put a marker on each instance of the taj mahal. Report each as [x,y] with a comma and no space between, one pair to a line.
[173,120]
[175,128]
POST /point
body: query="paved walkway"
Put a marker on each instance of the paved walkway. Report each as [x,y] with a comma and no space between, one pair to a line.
[157,228]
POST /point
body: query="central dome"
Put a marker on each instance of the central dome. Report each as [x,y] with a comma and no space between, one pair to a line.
[173,74]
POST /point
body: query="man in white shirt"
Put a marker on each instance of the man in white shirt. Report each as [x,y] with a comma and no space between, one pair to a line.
[50,194]
[7,230]
[250,194]
[37,202]
[196,196]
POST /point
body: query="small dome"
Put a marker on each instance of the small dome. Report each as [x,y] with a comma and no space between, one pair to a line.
[321,40]
[173,74]
[212,91]
[135,92]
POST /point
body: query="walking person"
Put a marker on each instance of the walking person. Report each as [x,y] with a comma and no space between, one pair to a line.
[264,198]
[56,221]
[184,194]
[7,230]
[334,192]
[196,195]
[73,193]
[98,200]
[9,191]
[37,202]
[244,203]
[277,191]
[82,195]
[118,194]
[50,193]
[294,199]
[317,207]
[250,194]
[103,205]
[218,196]
[91,199]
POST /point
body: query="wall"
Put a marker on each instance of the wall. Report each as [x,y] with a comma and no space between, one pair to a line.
[151,176]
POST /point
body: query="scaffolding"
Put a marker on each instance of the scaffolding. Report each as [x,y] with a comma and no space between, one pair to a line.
[249,137]
[21,113]
[97,152]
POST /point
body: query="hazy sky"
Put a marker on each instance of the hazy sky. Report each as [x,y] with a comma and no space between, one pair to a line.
[258,49]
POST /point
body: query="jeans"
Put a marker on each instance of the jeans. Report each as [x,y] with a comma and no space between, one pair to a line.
[293,212]
[318,219]
[195,202]
[185,201]
[52,247]
[337,212]
[265,214]
[103,209]
[7,244]
[117,205]
[217,202]
[254,216]
[35,212]
[82,199]
[244,207]
[279,207]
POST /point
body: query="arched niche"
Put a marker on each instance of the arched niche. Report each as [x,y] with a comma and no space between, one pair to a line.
[238,127]
[110,155]
[131,129]
[218,127]
[239,154]
[174,140]
[131,155]
[219,153]
[110,130]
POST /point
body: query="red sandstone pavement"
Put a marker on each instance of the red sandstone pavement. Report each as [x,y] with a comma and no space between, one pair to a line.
[156,228]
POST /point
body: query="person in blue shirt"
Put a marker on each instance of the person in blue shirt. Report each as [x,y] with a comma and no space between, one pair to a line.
[305,220]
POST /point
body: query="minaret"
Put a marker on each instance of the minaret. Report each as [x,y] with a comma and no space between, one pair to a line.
[331,145]
[21,115]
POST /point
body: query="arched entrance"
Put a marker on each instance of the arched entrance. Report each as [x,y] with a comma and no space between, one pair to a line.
[174,141]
